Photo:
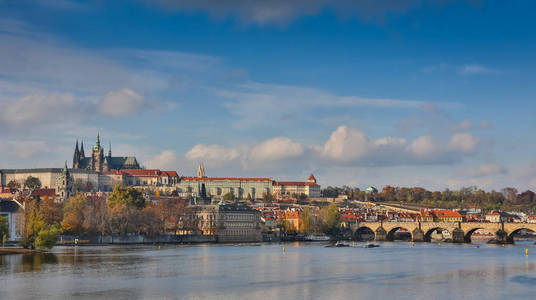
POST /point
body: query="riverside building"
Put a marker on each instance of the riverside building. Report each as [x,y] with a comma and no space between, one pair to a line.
[228,222]
[309,188]
[216,187]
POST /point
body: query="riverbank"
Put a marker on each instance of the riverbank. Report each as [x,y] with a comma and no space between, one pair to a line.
[7,251]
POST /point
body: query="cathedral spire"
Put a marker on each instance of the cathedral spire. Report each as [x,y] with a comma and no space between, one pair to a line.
[76,156]
[110,149]
[82,154]
[97,146]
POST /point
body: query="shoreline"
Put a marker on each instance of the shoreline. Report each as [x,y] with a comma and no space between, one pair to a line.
[8,251]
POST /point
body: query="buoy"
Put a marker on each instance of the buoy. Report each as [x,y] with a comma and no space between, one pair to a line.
[158,247]
[527,251]
[283,249]
[502,245]
[439,244]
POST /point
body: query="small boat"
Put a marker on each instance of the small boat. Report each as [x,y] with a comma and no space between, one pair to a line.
[317,237]
[371,246]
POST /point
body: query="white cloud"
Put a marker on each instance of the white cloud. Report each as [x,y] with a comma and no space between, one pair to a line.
[390,141]
[121,103]
[463,142]
[281,12]
[345,144]
[39,109]
[275,149]
[463,126]
[424,146]
[281,103]
[486,170]
[213,155]
[164,160]
[474,69]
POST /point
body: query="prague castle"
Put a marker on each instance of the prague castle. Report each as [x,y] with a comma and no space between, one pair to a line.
[101,162]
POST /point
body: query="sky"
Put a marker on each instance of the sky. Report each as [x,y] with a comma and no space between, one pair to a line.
[437,94]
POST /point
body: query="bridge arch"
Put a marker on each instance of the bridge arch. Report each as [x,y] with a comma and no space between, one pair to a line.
[468,236]
[391,235]
[429,232]
[364,233]
[516,231]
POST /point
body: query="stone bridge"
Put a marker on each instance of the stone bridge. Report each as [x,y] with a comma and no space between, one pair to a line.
[422,231]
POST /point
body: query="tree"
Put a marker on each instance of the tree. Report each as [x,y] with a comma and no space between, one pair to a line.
[47,237]
[228,197]
[4,229]
[306,221]
[128,196]
[73,214]
[32,182]
[13,185]
[330,219]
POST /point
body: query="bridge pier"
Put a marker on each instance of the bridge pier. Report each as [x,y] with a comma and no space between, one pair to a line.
[458,236]
[417,235]
[502,237]
[380,234]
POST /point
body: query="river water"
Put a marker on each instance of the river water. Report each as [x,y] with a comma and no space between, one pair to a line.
[396,270]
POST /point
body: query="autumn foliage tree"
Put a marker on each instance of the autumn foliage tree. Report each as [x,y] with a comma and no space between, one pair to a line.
[125,204]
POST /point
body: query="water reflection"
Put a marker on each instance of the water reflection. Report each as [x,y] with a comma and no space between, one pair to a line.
[398,270]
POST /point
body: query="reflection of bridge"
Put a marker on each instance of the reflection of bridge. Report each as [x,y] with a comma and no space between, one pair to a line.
[422,231]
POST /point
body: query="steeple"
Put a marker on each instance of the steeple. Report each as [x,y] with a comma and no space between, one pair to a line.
[200,171]
[65,170]
[110,149]
[76,156]
[82,154]
[97,143]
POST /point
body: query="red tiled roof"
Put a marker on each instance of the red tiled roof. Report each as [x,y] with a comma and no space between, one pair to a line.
[312,177]
[295,183]
[112,172]
[224,178]
[170,173]
[448,214]
[44,192]
[149,173]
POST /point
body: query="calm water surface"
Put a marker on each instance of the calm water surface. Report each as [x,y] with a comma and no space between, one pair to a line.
[304,271]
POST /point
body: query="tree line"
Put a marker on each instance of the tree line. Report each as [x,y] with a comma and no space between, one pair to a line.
[125,212]
[506,199]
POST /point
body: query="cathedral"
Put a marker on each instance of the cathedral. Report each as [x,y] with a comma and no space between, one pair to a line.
[101,162]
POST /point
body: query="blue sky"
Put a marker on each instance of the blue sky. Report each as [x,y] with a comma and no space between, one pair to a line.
[409,93]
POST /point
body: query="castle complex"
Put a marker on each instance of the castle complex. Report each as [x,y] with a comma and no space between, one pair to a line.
[100,162]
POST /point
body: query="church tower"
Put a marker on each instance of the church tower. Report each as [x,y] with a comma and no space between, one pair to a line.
[200,171]
[97,157]
[64,185]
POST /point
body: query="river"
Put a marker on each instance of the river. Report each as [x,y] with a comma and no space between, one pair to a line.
[396,270]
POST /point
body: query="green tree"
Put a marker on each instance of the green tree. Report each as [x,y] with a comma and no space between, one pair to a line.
[47,237]
[330,219]
[32,182]
[128,196]
[228,197]
[33,222]
[4,229]
[306,221]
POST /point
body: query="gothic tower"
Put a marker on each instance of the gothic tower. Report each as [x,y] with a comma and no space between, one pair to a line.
[76,156]
[82,154]
[97,157]
[200,171]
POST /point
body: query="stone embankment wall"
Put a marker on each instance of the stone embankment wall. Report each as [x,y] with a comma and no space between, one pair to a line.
[136,239]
